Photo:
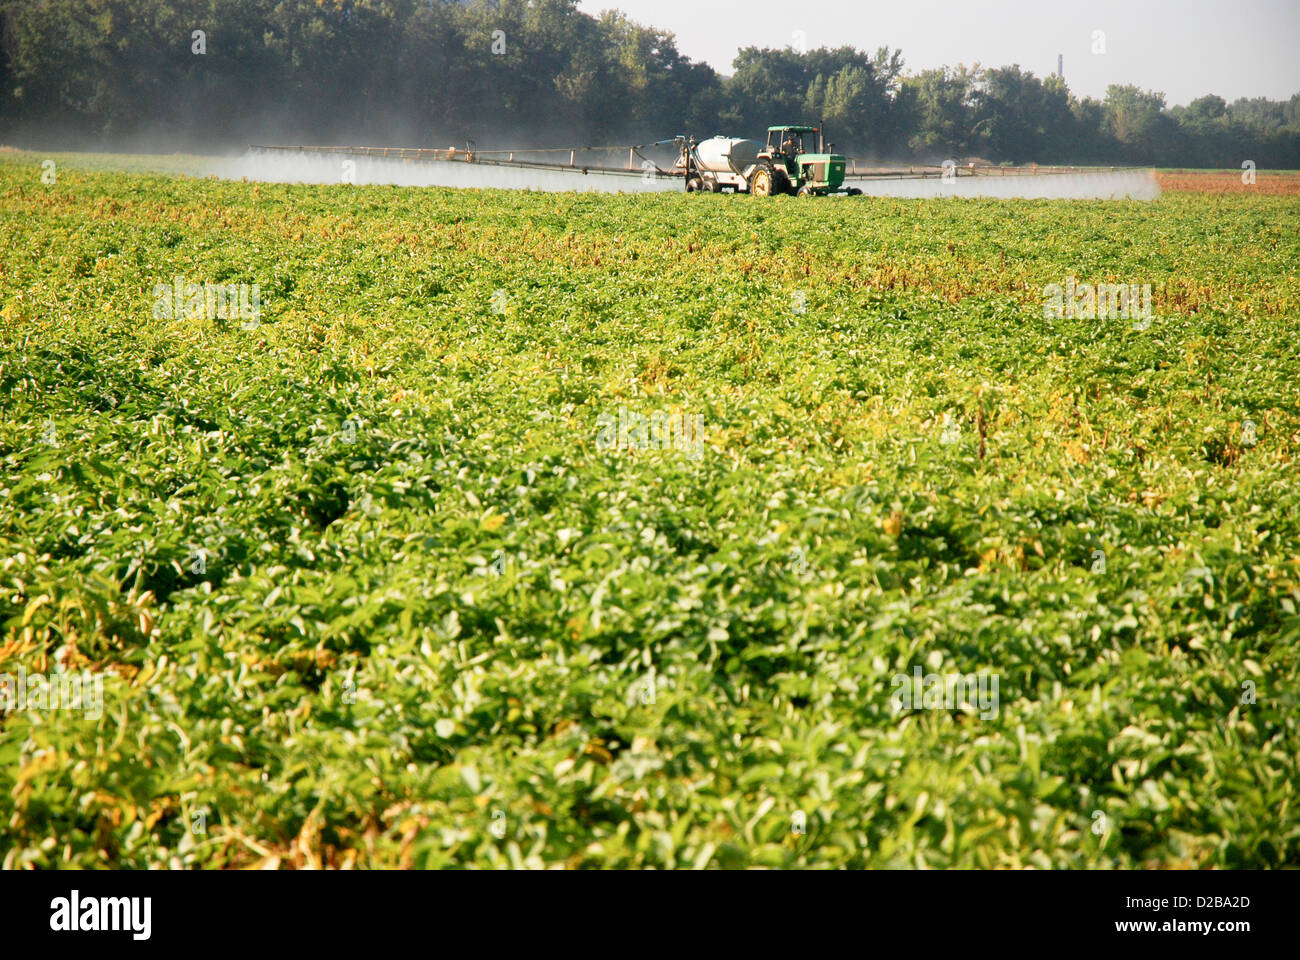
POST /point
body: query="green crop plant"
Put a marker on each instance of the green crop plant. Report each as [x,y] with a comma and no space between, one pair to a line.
[369,581]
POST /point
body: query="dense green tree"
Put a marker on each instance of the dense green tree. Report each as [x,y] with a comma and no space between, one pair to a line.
[135,74]
[1020,117]
[1207,109]
[940,112]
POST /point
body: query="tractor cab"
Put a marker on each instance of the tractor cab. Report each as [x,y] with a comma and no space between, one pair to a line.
[799,153]
[787,144]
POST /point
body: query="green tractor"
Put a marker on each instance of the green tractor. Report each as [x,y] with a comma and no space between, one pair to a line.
[787,164]
[796,160]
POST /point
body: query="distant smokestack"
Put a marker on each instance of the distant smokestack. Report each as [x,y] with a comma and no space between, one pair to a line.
[1060,65]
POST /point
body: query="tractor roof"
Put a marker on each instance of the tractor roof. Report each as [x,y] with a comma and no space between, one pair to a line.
[792,128]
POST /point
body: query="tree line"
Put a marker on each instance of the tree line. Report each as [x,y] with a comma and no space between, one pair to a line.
[218,74]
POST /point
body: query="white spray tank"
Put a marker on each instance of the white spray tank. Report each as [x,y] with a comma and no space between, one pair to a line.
[726,154]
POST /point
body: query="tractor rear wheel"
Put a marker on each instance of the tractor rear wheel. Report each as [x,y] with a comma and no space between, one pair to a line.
[768,180]
[694,184]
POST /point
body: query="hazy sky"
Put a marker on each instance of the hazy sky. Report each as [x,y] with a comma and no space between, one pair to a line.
[1187,48]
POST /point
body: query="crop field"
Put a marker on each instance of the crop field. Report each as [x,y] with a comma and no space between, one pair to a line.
[555,530]
[1273,182]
